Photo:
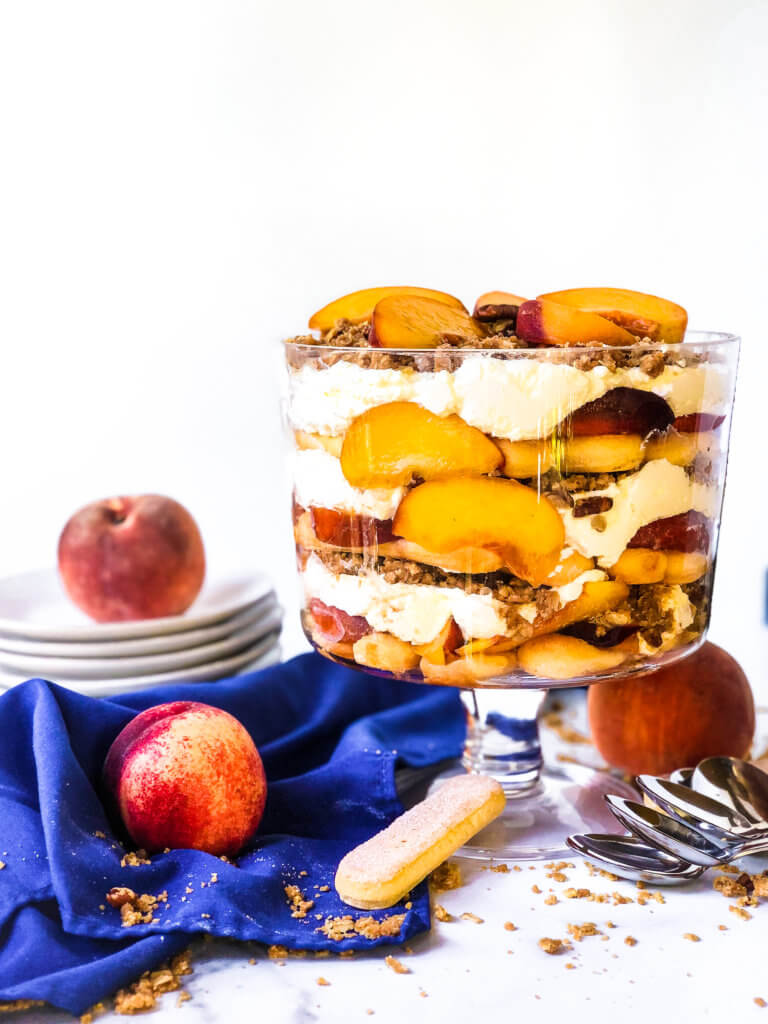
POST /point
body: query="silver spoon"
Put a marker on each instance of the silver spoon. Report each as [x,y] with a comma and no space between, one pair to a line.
[715,819]
[631,858]
[739,784]
[667,833]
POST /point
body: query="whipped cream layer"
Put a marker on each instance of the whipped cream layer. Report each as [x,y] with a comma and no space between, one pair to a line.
[417,612]
[518,399]
[655,491]
[319,482]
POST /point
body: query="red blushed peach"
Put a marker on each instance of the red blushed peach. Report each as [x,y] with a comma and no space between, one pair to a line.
[132,558]
[673,717]
[187,775]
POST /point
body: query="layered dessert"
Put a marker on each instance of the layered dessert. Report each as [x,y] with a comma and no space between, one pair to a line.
[528,492]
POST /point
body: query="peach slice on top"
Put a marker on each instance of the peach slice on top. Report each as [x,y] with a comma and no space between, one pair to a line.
[497,306]
[485,512]
[358,306]
[410,321]
[645,316]
[389,445]
[541,322]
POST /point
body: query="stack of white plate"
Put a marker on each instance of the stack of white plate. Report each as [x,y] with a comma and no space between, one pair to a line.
[232,627]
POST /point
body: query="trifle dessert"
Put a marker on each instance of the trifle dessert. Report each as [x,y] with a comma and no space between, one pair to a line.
[527,495]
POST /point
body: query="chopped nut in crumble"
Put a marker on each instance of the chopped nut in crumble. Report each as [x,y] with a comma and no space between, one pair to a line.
[134,860]
[338,928]
[446,876]
[581,931]
[393,963]
[553,946]
[299,906]
[740,912]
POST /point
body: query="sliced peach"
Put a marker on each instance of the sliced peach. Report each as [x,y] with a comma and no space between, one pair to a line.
[358,306]
[569,569]
[306,441]
[698,421]
[408,321]
[640,565]
[385,651]
[621,411]
[349,530]
[608,453]
[389,445]
[645,316]
[688,531]
[466,671]
[549,323]
[497,306]
[463,560]
[446,642]
[335,625]
[565,657]
[679,448]
[685,566]
[485,512]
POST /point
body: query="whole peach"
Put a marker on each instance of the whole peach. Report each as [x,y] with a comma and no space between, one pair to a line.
[186,775]
[674,717]
[130,558]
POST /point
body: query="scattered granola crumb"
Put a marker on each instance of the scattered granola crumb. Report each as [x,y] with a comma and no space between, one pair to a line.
[502,869]
[691,936]
[558,876]
[302,874]
[609,924]
[740,912]
[2,864]
[446,876]
[630,940]
[508,926]
[134,860]
[143,994]
[20,1004]
[442,914]
[408,905]
[551,900]
[277,952]
[576,894]
[98,834]
[581,931]
[322,981]
[394,964]
[324,888]
[759,1001]
[552,946]
[338,928]
[467,916]
[299,906]
[134,909]
[555,722]
[536,889]
[729,887]
[569,966]
[183,997]
[723,927]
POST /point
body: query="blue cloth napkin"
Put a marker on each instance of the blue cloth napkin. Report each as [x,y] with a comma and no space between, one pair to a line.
[329,738]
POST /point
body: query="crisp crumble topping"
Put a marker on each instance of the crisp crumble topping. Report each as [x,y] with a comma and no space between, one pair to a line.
[393,963]
[338,928]
[582,931]
[553,946]
[446,876]
[142,995]
[135,859]
[442,914]
[135,909]
[299,906]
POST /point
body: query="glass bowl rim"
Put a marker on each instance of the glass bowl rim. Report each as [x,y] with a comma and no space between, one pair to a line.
[708,339]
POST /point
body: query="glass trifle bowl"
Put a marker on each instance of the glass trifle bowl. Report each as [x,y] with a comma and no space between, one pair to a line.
[508,517]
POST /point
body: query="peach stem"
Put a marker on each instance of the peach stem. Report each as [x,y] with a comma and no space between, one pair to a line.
[503,736]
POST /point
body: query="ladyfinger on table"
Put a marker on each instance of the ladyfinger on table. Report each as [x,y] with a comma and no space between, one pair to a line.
[384,869]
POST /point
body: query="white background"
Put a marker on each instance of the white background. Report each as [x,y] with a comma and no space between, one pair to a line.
[183,183]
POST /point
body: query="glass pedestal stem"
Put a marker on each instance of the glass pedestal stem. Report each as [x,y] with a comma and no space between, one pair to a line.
[503,737]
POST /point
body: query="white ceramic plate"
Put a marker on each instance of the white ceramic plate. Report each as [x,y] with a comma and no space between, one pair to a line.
[151,664]
[34,605]
[163,644]
[265,652]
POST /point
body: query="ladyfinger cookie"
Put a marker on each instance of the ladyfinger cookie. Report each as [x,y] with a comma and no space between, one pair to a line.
[382,870]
